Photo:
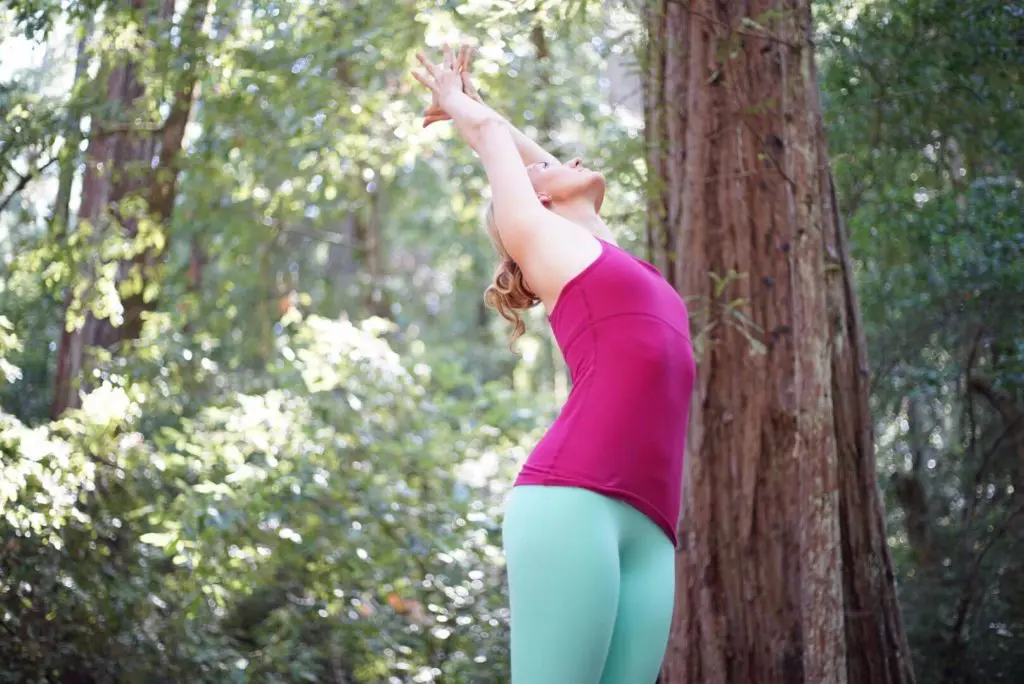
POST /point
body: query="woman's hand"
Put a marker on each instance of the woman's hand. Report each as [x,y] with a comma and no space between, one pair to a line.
[444,80]
[477,123]
[434,112]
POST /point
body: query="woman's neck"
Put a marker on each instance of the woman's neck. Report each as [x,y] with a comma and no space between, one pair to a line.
[583,214]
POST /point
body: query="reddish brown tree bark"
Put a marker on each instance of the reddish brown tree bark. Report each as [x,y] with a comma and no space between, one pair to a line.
[120,167]
[783,573]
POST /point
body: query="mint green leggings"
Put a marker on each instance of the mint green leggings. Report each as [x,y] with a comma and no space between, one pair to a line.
[591,585]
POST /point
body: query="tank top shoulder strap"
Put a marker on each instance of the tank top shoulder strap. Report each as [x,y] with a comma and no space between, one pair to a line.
[576,281]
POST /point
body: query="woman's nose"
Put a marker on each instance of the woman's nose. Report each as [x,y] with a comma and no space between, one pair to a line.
[576,163]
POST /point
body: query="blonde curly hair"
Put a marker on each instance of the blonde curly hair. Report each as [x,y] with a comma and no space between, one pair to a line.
[508,294]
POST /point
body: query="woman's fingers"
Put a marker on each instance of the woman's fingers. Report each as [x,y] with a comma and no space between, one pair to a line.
[468,87]
[438,77]
[427,120]
[465,53]
[424,79]
[433,113]
[465,61]
[466,58]
[434,109]
[427,64]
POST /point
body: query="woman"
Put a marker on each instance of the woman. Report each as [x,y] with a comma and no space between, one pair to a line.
[589,530]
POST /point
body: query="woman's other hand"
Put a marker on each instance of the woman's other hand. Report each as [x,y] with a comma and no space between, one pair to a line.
[468,86]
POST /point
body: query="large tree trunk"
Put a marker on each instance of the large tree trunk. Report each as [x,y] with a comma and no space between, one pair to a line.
[120,167]
[783,571]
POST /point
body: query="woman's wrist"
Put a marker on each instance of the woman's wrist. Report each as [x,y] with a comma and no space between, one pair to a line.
[466,111]
[456,101]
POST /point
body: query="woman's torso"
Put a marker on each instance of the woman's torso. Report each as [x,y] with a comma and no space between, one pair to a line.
[624,334]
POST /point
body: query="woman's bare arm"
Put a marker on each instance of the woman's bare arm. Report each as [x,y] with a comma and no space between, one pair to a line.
[545,245]
[548,248]
[529,151]
[518,211]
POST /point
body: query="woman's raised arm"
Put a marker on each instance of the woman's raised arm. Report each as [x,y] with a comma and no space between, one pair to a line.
[530,152]
[533,236]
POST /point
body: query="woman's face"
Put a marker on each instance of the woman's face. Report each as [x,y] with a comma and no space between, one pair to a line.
[563,183]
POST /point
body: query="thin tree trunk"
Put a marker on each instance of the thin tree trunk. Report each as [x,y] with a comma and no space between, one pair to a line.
[108,151]
[549,373]
[70,155]
[342,264]
[119,165]
[783,572]
[378,301]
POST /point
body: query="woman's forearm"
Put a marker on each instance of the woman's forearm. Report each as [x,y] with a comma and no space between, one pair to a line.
[471,116]
[468,114]
[529,151]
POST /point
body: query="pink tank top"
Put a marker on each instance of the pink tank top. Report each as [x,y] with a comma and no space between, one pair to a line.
[624,334]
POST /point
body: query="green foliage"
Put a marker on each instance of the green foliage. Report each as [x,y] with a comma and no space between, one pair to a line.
[924,122]
[8,343]
[343,521]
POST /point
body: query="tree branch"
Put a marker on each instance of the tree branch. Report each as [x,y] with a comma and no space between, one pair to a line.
[23,181]
[324,236]
[1003,403]
[963,607]
[107,131]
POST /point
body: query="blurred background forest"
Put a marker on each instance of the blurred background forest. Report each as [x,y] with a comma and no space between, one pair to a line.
[299,421]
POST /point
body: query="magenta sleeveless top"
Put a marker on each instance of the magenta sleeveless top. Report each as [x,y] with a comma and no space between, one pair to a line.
[624,334]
